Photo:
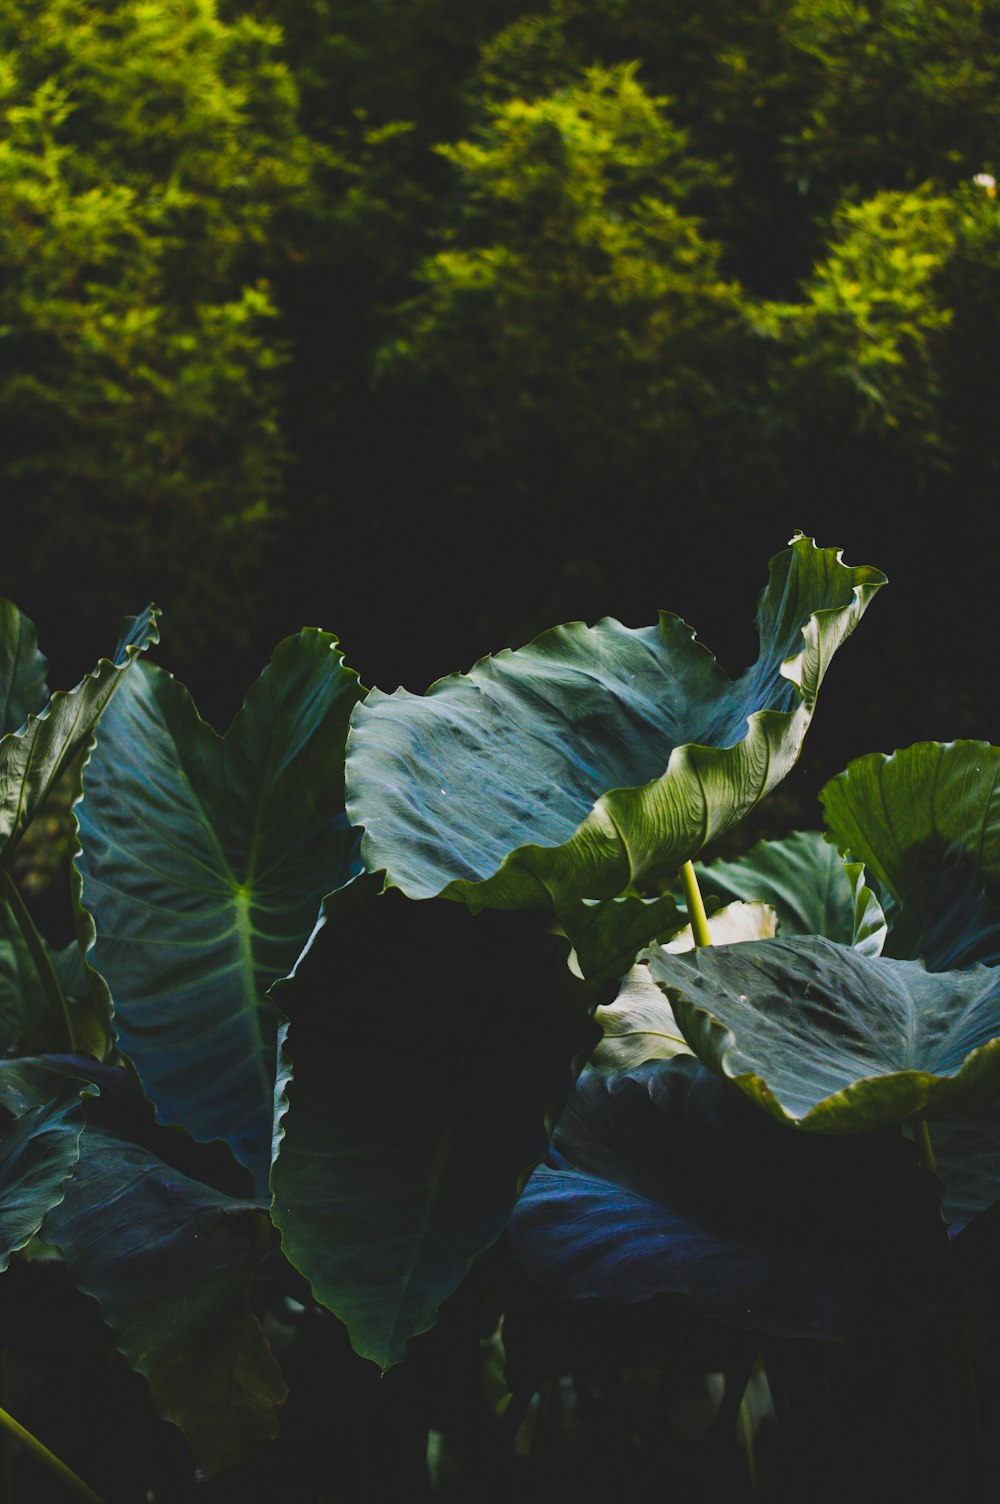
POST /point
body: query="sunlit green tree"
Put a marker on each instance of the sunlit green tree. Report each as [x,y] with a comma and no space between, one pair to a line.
[148,153]
[573,280]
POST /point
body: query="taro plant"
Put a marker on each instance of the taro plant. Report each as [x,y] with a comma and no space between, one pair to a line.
[402,1031]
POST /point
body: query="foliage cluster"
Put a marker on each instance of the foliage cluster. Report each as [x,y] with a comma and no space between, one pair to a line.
[384,1005]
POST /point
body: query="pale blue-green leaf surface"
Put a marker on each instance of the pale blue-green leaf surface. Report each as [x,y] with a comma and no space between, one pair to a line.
[829,1039]
[594,757]
[204,861]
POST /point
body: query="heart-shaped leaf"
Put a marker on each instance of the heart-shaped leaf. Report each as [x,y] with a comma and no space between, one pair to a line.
[638,1026]
[829,1039]
[171,1262]
[966,1149]
[664,1179]
[169,1257]
[26,1021]
[33,756]
[204,861]
[424,1051]
[594,757]
[37,1153]
[801,876]
[23,690]
[608,933]
[926,822]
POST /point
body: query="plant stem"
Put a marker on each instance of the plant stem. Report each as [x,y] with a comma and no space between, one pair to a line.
[925,1150]
[746,1433]
[49,1459]
[695,905]
[6,1449]
[40,956]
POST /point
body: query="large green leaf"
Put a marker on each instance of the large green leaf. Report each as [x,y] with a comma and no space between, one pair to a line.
[639,1024]
[812,891]
[171,1261]
[37,1153]
[926,823]
[22,669]
[801,876]
[169,1256]
[832,1040]
[26,1017]
[33,756]
[966,1149]
[664,1179]
[204,861]
[424,1050]
[594,757]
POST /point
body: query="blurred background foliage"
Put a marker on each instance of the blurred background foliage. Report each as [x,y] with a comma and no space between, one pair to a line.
[436,324]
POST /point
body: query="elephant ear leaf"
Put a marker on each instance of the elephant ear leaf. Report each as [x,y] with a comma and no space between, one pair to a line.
[664,1180]
[22,670]
[38,1151]
[925,821]
[204,860]
[811,890]
[27,1021]
[424,1051]
[169,1256]
[171,1262]
[801,876]
[38,751]
[595,757]
[829,1039]
[639,1025]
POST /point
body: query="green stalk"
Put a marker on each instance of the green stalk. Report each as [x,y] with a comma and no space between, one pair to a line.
[49,1459]
[925,1150]
[40,957]
[746,1433]
[695,905]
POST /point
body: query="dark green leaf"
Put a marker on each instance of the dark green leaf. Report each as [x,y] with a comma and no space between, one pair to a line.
[33,757]
[596,756]
[608,933]
[640,1025]
[424,1050]
[25,1017]
[204,861]
[966,1148]
[832,1040]
[802,877]
[37,1153]
[148,1228]
[664,1179]
[171,1263]
[22,670]
[926,822]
